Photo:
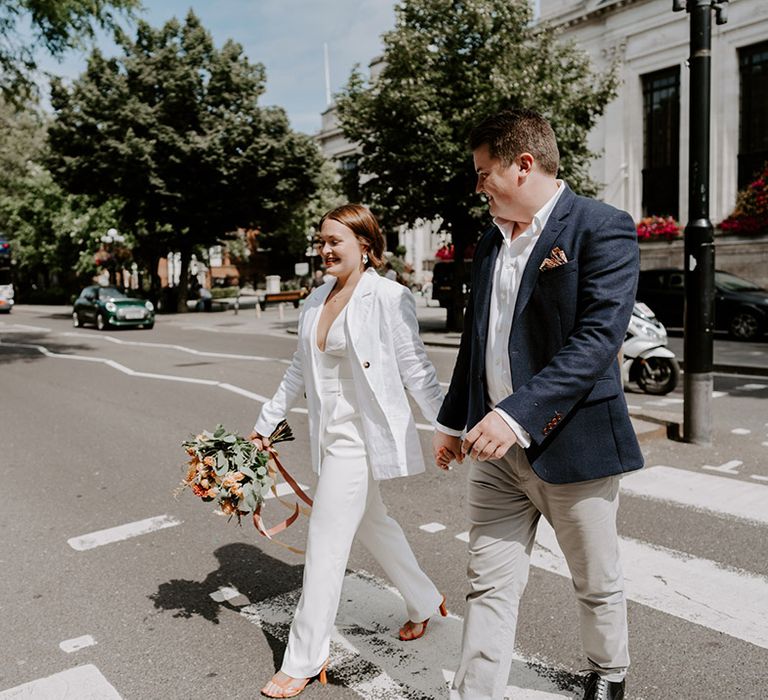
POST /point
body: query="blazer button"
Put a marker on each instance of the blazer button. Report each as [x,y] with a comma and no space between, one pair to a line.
[366,364]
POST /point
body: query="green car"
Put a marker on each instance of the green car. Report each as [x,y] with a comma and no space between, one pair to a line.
[108,307]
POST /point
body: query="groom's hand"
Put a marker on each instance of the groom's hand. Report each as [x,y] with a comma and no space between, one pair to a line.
[446,448]
[491,438]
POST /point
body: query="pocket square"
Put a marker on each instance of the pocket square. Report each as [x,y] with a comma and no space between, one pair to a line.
[555,259]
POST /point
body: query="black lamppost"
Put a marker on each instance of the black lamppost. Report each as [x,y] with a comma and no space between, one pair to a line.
[699,233]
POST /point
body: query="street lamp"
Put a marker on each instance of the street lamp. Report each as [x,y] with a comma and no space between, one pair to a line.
[699,233]
[112,236]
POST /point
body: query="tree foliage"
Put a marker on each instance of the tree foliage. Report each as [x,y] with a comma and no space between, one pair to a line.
[27,26]
[173,129]
[446,65]
[54,234]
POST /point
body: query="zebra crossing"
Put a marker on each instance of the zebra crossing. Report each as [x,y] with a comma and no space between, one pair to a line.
[367,658]
[698,593]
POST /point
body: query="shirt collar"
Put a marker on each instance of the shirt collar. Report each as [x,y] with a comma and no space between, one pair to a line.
[540,218]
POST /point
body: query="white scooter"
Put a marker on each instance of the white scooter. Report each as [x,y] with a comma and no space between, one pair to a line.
[646,360]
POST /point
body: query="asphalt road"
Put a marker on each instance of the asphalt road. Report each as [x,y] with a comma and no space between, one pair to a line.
[197,607]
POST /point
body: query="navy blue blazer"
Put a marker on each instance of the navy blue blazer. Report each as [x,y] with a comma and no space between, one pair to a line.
[568,325]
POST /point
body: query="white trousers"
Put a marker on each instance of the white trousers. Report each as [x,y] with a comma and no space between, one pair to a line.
[347,502]
[506,499]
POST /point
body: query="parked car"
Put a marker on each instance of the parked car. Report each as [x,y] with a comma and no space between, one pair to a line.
[443,281]
[108,307]
[741,306]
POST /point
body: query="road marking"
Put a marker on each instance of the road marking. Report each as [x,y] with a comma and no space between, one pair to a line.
[734,602]
[741,431]
[727,468]
[463,536]
[230,595]
[22,328]
[70,645]
[760,477]
[122,532]
[372,662]
[80,683]
[240,391]
[712,494]
[431,528]
[145,375]
[179,348]
[719,394]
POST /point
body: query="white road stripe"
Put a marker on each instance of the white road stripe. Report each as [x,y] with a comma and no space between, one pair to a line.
[713,494]
[179,348]
[230,595]
[240,391]
[432,527]
[22,328]
[80,683]
[730,601]
[365,648]
[122,532]
[463,536]
[70,645]
[759,477]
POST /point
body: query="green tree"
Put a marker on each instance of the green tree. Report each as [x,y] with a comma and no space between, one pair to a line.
[173,129]
[27,26]
[54,234]
[446,65]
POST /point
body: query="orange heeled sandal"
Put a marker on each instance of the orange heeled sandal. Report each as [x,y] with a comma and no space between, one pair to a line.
[407,633]
[286,690]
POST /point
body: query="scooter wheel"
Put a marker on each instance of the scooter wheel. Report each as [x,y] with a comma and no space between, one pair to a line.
[658,375]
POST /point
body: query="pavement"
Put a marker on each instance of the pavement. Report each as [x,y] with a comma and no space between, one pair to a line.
[245,315]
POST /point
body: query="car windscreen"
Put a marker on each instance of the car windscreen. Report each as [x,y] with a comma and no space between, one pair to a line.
[731,283]
[111,293]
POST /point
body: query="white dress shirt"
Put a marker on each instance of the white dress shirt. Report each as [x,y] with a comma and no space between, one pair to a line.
[507,275]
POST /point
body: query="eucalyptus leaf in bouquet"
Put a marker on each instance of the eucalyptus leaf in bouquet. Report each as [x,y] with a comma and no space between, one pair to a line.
[228,469]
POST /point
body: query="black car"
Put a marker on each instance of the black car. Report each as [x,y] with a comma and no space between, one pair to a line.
[444,279]
[108,307]
[741,306]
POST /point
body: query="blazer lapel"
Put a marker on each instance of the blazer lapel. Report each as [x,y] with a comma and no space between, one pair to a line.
[485,286]
[541,249]
[359,309]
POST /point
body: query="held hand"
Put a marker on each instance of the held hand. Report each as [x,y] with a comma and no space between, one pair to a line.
[446,448]
[491,438]
[261,442]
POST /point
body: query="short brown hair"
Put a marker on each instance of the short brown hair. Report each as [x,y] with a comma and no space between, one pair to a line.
[364,225]
[514,131]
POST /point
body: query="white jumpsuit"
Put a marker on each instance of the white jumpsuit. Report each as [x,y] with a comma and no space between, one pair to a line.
[346,502]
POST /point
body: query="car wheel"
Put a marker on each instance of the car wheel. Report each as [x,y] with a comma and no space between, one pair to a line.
[101,322]
[745,325]
[76,320]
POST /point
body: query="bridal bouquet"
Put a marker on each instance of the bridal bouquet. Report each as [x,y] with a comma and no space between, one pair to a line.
[227,468]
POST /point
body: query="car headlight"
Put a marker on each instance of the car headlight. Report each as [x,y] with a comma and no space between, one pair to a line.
[110,306]
[149,306]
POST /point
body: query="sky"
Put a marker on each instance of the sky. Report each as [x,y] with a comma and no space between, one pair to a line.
[287,36]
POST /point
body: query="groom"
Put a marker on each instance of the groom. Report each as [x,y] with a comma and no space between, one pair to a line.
[537,388]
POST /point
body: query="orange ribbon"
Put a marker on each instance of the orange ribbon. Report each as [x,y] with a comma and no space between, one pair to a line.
[294,507]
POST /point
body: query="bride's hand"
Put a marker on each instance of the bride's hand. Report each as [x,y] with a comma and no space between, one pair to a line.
[261,442]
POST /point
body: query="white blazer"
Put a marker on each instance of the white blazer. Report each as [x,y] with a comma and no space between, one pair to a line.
[387,357]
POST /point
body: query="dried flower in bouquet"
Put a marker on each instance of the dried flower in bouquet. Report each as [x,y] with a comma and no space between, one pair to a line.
[227,468]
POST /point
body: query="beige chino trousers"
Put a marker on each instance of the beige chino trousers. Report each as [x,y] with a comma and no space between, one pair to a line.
[506,500]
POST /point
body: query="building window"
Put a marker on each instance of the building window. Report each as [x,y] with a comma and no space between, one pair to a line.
[661,161]
[753,118]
